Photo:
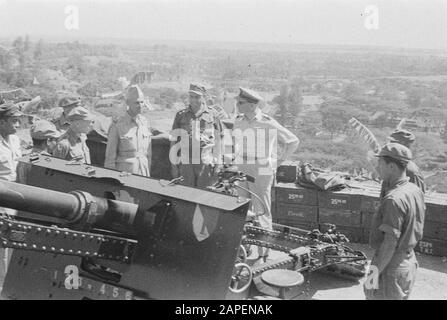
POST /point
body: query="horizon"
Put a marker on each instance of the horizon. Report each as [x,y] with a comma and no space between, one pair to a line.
[283,22]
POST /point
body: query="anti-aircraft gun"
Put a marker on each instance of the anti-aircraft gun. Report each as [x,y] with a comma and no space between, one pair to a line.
[86,232]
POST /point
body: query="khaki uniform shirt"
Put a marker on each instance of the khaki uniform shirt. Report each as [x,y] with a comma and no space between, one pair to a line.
[205,129]
[128,146]
[62,123]
[9,154]
[401,213]
[71,147]
[262,134]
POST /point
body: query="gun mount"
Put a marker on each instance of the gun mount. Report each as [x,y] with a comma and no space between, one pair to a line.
[130,237]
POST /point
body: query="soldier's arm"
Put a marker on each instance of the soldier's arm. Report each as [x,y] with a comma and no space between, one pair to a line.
[288,139]
[392,222]
[61,150]
[112,147]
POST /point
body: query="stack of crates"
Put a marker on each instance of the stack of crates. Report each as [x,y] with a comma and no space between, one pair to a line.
[296,206]
[351,210]
[434,241]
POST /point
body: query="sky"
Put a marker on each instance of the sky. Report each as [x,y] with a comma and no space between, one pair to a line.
[396,23]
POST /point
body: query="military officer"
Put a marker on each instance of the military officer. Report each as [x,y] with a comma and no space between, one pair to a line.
[68,103]
[407,138]
[256,136]
[71,145]
[45,137]
[129,141]
[200,125]
[396,228]
[9,142]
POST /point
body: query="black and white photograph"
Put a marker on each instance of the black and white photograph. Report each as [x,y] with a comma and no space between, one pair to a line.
[238,152]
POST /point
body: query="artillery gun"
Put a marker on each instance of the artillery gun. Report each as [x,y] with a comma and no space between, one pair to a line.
[86,232]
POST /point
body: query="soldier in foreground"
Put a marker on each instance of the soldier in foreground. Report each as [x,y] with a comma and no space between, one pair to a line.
[396,228]
[258,157]
[67,103]
[128,146]
[202,128]
[9,154]
[71,145]
[9,142]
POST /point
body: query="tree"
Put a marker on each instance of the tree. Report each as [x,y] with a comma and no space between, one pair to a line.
[38,50]
[334,119]
[290,102]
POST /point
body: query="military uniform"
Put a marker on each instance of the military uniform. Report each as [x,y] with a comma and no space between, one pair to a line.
[72,146]
[259,159]
[401,214]
[9,154]
[40,130]
[10,150]
[203,129]
[68,102]
[128,146]
[406,138]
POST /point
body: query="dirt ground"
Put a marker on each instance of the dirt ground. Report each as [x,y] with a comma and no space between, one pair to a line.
[431,281]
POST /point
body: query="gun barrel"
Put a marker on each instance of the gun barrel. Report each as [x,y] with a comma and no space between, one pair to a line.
[73,208]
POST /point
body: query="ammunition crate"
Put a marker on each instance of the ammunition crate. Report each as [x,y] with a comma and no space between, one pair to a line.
[287,172]
[303,225]
[367,219]
[433,247]
[296,213]
[436,212]
[435,230]
[366,233]
[354,234]
[369,204]
[339,200]
[290,193]
[339,217]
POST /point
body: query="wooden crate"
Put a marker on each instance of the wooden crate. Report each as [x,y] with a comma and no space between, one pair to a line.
[343,200]
[291,194]
[293,223]
[433,247]
[435,230]
[297,213]
[340,217]
[435,212]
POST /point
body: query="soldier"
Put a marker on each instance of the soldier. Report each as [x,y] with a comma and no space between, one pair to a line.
[258,156]
[71,145]
[68,103]
[396,228]
[9,142]
[9,154]
[202,128]
[45,137]
[406,138]
[128,146]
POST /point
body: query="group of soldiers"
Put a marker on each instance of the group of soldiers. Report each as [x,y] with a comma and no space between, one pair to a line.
[397,225]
